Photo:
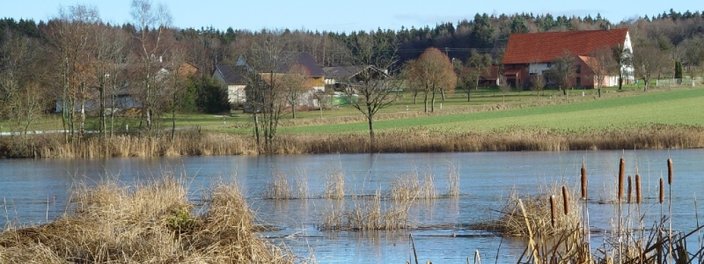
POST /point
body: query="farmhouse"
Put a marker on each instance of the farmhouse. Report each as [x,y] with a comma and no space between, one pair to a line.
[232,77]
[340,77]
[531,54]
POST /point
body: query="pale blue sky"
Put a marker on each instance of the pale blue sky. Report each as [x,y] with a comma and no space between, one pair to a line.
[346,15]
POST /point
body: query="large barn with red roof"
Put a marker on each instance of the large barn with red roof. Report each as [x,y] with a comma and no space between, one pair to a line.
[531,54]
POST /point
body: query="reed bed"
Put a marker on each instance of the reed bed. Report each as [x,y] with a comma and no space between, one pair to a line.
[409,187]
[554,226]
[152,223]
[278,188]
[335,185]
[453,179]
[368,215]
[196,143]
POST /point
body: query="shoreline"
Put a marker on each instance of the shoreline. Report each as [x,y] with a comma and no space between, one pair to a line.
[415,140]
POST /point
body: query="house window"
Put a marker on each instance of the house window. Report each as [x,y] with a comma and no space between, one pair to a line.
[579,68]
[578,82]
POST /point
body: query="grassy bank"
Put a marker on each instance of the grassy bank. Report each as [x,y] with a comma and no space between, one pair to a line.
[390,141]
[153,223]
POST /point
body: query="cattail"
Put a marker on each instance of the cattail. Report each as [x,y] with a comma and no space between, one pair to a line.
[621,171]
[669,171]
[552,210]
[628,189]
[638,197]
[565,200]
[662,191]
[584,181]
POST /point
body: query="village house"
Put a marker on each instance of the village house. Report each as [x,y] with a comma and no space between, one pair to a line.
[532,54]
[340,77]
[233,78]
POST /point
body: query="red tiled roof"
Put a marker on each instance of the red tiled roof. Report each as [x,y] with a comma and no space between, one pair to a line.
[545,47]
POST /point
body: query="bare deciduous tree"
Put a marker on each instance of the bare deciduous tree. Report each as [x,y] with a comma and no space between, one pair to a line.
[602,65]
[650,61]
[152,29]
[21,95]
[294,84]
[562,72]
[434,72]
[266,96]
[70,36]
[372,92]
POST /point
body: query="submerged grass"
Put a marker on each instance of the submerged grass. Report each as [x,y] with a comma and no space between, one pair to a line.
[335,186]
[151,224]
[368,215]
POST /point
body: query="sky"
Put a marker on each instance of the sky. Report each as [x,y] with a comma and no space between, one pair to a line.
[345,16]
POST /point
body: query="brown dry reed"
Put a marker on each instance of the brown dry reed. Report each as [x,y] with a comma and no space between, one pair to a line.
[335,186]
[621,171]
[278,188]
[197,143]
[662,191]
[629,190]
[565,200]
[453,179]
[638,190]
[368,215]
[583,180]
[669,171]
[552,211]
[152,223]
[408,187]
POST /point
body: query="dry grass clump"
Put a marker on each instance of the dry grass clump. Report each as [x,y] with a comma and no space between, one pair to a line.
[453,179]
[368,215]
[195,142]
[510,139]
[151,224]
[408,187]
[278,188]
[539,211]
[335,186]
[184,143]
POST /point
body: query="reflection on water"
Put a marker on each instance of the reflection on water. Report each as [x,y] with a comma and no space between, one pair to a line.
[36,190]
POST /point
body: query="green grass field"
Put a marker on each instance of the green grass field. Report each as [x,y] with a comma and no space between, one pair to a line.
[677,106]
[526,110]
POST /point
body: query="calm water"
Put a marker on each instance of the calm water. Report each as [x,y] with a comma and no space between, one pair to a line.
[34,190]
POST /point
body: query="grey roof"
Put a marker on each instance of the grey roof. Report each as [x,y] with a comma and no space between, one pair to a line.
[307,61]
[231,75]
[343,72]
[346,73]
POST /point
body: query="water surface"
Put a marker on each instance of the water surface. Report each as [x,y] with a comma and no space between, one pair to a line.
[35,191]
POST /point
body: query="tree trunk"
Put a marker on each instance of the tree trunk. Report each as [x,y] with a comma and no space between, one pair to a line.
[173,122]
[442,95]
[415,94]
[432,102]
[425,102]
[469,95]
[293,110]
[372,140]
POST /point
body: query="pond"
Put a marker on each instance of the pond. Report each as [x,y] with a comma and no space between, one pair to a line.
[36,191]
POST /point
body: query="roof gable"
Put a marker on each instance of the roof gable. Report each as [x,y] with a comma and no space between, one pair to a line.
[306,61]
[547,46]
[231,75]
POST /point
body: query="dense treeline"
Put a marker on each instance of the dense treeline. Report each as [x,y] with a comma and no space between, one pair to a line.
[74,57]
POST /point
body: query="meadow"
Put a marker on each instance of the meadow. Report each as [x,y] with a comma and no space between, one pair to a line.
[493,120]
